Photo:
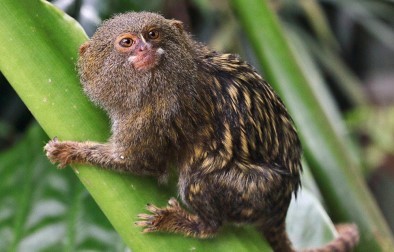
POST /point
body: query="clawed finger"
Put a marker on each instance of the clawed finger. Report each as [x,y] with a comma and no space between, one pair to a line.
[173,202]
[143,223]
[153,209]
[149,230]
[146,216]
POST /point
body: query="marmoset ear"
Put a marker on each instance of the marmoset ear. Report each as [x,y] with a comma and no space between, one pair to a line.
[177,24]
[83,48]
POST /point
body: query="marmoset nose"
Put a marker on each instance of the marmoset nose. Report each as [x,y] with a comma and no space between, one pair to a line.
[141,45]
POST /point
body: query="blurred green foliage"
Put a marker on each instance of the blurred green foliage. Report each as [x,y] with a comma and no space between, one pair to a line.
[44,209]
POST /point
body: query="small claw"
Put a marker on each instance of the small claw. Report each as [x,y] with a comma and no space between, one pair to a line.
[143,223]
[173,202]
[149,230]
[153,209]
[61,166]
[46,147]
[146,216]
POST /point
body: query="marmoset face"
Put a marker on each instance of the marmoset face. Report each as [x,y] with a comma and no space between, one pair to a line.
[142,50]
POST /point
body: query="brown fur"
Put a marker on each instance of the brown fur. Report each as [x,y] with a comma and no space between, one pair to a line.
[208,113]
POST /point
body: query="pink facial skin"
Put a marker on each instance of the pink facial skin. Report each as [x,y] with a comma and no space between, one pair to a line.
[143,56]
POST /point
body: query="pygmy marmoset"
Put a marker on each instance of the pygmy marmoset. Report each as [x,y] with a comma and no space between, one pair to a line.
[173,101]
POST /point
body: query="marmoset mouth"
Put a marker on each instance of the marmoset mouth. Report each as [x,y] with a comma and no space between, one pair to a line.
[146,60]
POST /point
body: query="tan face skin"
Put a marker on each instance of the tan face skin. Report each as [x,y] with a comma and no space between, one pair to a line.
[142,54]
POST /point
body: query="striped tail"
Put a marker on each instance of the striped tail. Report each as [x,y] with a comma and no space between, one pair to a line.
[346,240]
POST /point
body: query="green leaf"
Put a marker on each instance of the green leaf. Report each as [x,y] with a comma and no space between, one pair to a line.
[39,46]
[326,149]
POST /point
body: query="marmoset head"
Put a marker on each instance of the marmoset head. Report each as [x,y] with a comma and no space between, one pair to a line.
[130,54]
[139,39]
